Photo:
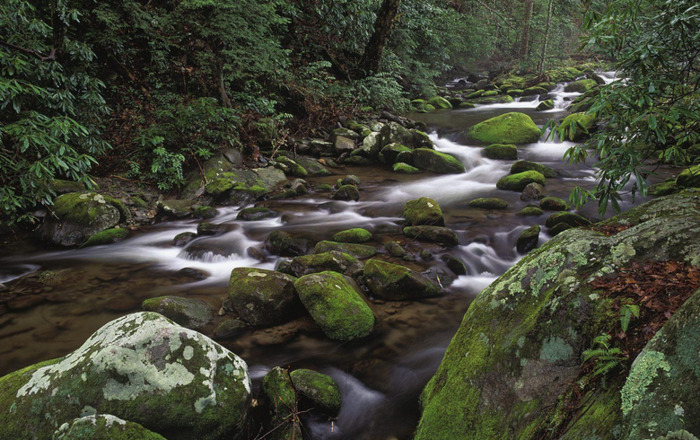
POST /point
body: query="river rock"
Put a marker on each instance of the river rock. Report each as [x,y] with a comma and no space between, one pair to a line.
[439,102]
[580,86]
[281,399]
[141,367]
[291,167]
[389,153]
[103,427]
[284,244]
[262,297]
[335,306]
[535,90]
[578,126]
[509,128]
[354,235]
[570,218]
[321,391]
[547,104]
[183,238]
[533,191]
[78,216]
[395,133]
[421,139]
[517,354]
[501,151]
[312,166]
[689,178]
[108,236]
[229,329]
[397,283]
[554,204]
[354,249]
[436,162]
[423,211]
[175,208]
[435,234]
[404,168]
[528,239]
[489,203]
[518,182]
[188,312]
[255,214]
[334,261]
[531,211]
[370,147]
[347,192]
[395,249]
[523,165]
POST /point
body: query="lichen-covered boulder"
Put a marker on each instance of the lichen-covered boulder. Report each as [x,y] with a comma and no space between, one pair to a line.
[281,400]
[188,312]
[397,283]
[395,133]
[335,306]
[518,352]
[354,249]
[319,389]
[518,182]
[334,261]
[488,203]
[262,297]
[435,234]
[528,239]
[501,151]
[354,235]
[103,427]
[509,128]
[80,215]
[690,177]
[523,165]
[440,163]
[143,368]
[423,211]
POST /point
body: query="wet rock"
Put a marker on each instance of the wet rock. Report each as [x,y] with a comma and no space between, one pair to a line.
[404,168]
[205,212]
[532,191]
[554,204]
[524,165]
[141,367]
[299,187]
[559,228]
[334,261]
[501,151]
[489,203]
[229,329]
[262,297]
[188,312]
[321,391]
[530,91]
[357,161]
[436,162]
[389,153]
[370,147]
[285,244]
[354,235]
[256,253]
[349,180]
[25,302]
[209,229]
[421,139]
[335,306]
[664,188]
[175,208]
[107,236]
[80,215]
[531,211]
[291,167]
[394,133]
[435,234]
[577,126]
[689,178]
[439,102]
[66,186]
[255,214]
[395,249]
[183,238]
[423,211]
[528,239]
[580,86]
[455,264]
[397,283]
[509,128]
[103,427]
[347,192]
[518,182]
[192,273]
[547,104]
[281,400]
[569,218]
[356,250]
[312,166]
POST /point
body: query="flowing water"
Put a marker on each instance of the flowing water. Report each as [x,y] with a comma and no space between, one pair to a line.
[67,295]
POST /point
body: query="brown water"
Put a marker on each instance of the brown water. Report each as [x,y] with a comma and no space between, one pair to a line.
[64,296]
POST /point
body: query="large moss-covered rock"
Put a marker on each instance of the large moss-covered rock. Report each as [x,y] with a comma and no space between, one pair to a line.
[80,215]
[108,236]
[570,218]
[554,204]
[256,213]
[431,160]
[188,312]
[103,427]
[354,249]
[518,182]
[347,192]
[281,399]
[501,151]
[519,349]
[286,244]
[319,389]
[509,128]
[404,168]
[661,393]
[262,297]
[488,203]
[690,177]
[397,283]
[435,234]
[354,235]
[143,368]
[423,211]
[334,261]
[524,165]
[580,86]
[390,152]
[439,102]
[577,126]
[335,306]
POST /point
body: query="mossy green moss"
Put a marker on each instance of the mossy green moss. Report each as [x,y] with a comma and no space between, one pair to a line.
[439,102]
[489,203]
[435,161]
[262,297]
[404,168]
[524,165]
[509,128]
[397,283]
[104,427]
[547,104]
[320,389]
[577,126]
[498,99]
[664,188]
[423,211]
[335,306]
[535,90]
[354,249]
[518,182]
[554,204]
[569,218]
[689,178]
[354,235]
[83,209]
[531,211]
[281,399]
[528,239]
[107,236]
[501,151]
[435,234]
[389,153]
[581,86]
[326,261]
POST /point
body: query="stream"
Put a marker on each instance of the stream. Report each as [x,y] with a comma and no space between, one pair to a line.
[77,291]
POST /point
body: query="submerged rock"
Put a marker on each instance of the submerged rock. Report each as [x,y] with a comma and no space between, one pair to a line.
[509,128]
[143,368]
[397,283]
[347,192]
[188,312]
[255,214]
[262,297]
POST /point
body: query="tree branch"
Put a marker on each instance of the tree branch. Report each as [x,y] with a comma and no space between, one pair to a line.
[50,57]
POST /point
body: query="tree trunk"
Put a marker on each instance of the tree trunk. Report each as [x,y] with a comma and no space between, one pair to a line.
[525,41]
[382,28]
[546,37]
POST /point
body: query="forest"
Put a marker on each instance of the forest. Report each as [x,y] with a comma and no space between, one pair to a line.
[367,219]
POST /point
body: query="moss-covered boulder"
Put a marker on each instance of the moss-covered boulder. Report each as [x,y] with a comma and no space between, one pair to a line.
[256,213]
[664,188]
[347,193]
[580,86]
[354,235]
[533,191]
[394,133]
[434,234]
[534,90]
[509,128]
[421,139]
[289,166]
[577,126]
[335,306]
[80,215]
[326,261]
[547,104]
[175,208]
[141,367]
[500,99]
[390,152]
[514,362]
[661,391]
[60,186]
[528,239]
[281,400]
[531,211]
[262,297]
[404,168]
[524,165]
[312,166]
[518,182]
[489,203]
[554,204]
[107,236]
[501,151]
[570,218]
[103,427]
[397,283]
[423,211]
[188,312]
[354,249]
[285,244]
[321,391]
[439,102]
[431,160]
[689,178]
